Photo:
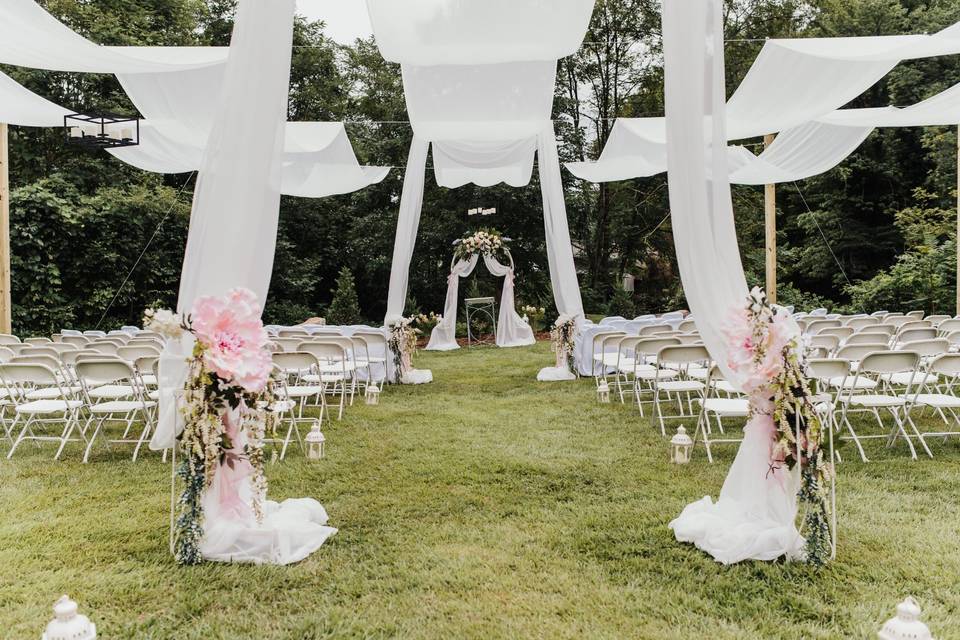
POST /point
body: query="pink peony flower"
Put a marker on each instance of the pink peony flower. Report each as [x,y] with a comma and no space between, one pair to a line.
[236,344]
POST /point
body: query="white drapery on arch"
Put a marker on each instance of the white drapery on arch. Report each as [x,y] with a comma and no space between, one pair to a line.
[512,331]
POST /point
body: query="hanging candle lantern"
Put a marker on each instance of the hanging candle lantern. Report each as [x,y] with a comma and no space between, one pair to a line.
[373,394]
[681,446]
[67,624]
[906,625]
[603,391]
[315,442]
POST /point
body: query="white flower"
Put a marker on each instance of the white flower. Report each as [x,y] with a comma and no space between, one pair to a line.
[163,321]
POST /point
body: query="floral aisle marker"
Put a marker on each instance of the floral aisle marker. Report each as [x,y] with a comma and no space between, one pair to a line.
[229,388]
[402,341]
[562,337]
[533,316]
[766,350]
[483,242]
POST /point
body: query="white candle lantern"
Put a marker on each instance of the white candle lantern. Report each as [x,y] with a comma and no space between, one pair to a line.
[315,441]
[373,394]
[906,625]
[603,391]
[681,445]
[67,624]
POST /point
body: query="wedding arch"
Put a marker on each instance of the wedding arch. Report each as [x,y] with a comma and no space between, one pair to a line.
[511,331]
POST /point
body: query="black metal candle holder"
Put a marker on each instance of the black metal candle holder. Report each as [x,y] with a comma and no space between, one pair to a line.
[102,130]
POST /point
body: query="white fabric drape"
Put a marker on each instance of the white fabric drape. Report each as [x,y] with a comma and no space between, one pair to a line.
[31,37]
[633,151]
[318,160]
[427,32]
[22,107]
[236,203]
[408,222]
[563,270]
[512,331]
[754,516]
[484,163]
[444,335]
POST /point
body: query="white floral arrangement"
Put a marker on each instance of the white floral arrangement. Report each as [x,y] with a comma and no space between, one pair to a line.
[403,344]
[483,242]
[533,316]
[165,322]
[563,333]
[426,322]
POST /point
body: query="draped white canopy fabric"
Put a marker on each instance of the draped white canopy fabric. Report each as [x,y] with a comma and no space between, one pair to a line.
[31,37]
[318,160]
[754,516]
[20,106]
[797,153]
[462,32]
[479,81]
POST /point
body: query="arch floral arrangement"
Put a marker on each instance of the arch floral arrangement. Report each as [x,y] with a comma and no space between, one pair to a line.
[483,242]
[766,351]
[562,337]
[229,387]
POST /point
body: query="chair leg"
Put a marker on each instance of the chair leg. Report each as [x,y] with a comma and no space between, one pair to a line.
[20,437]
[93,437]
[65,435]
[899,429]
[923,441]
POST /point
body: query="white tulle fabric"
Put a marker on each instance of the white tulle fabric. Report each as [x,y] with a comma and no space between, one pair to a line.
[512,331]
[754,516]
[444,335]
[289,532]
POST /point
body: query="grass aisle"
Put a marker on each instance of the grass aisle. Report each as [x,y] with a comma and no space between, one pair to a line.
[485,505]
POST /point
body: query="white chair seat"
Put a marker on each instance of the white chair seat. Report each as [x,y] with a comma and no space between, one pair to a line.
[154,395]
[282,406]
[303,391]
[111,392]
[610,358]
[908,377]
[661,374]
[48,406]
[877,400]
[629,367]
[50,393]
[735,407]
[682,386]
[324,377]
[938,400]
[698,373]
[120,406]
[853,383]
[149,379]
[336,367]
[724,386]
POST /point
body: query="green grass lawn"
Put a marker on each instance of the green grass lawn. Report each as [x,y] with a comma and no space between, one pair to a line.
[485,505]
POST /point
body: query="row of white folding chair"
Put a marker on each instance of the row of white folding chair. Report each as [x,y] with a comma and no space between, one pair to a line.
[104,391]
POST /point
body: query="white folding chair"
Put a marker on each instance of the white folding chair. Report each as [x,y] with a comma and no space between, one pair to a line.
[334,370]
[943,400]
[898,406]
[113,394]
[21,381]
[717,408]
[678,358]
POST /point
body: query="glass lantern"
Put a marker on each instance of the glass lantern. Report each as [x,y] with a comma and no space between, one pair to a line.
[906,625]
[67,624]
[603,391]
[373,394]
[681,446]
[315,442]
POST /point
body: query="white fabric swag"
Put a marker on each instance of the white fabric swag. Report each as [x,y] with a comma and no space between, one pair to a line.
[22,107]
[512,331]
[31,37]
[754,517]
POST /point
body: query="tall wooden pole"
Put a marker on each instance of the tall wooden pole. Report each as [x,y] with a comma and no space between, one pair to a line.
[770,224]
[957,241]
[5,325]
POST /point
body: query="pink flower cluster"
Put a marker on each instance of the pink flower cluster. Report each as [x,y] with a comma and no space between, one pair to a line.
[236,346]
[757,336]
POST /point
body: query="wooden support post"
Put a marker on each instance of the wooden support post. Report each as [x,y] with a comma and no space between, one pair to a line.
[957,241]
[5,325]
[770,224]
